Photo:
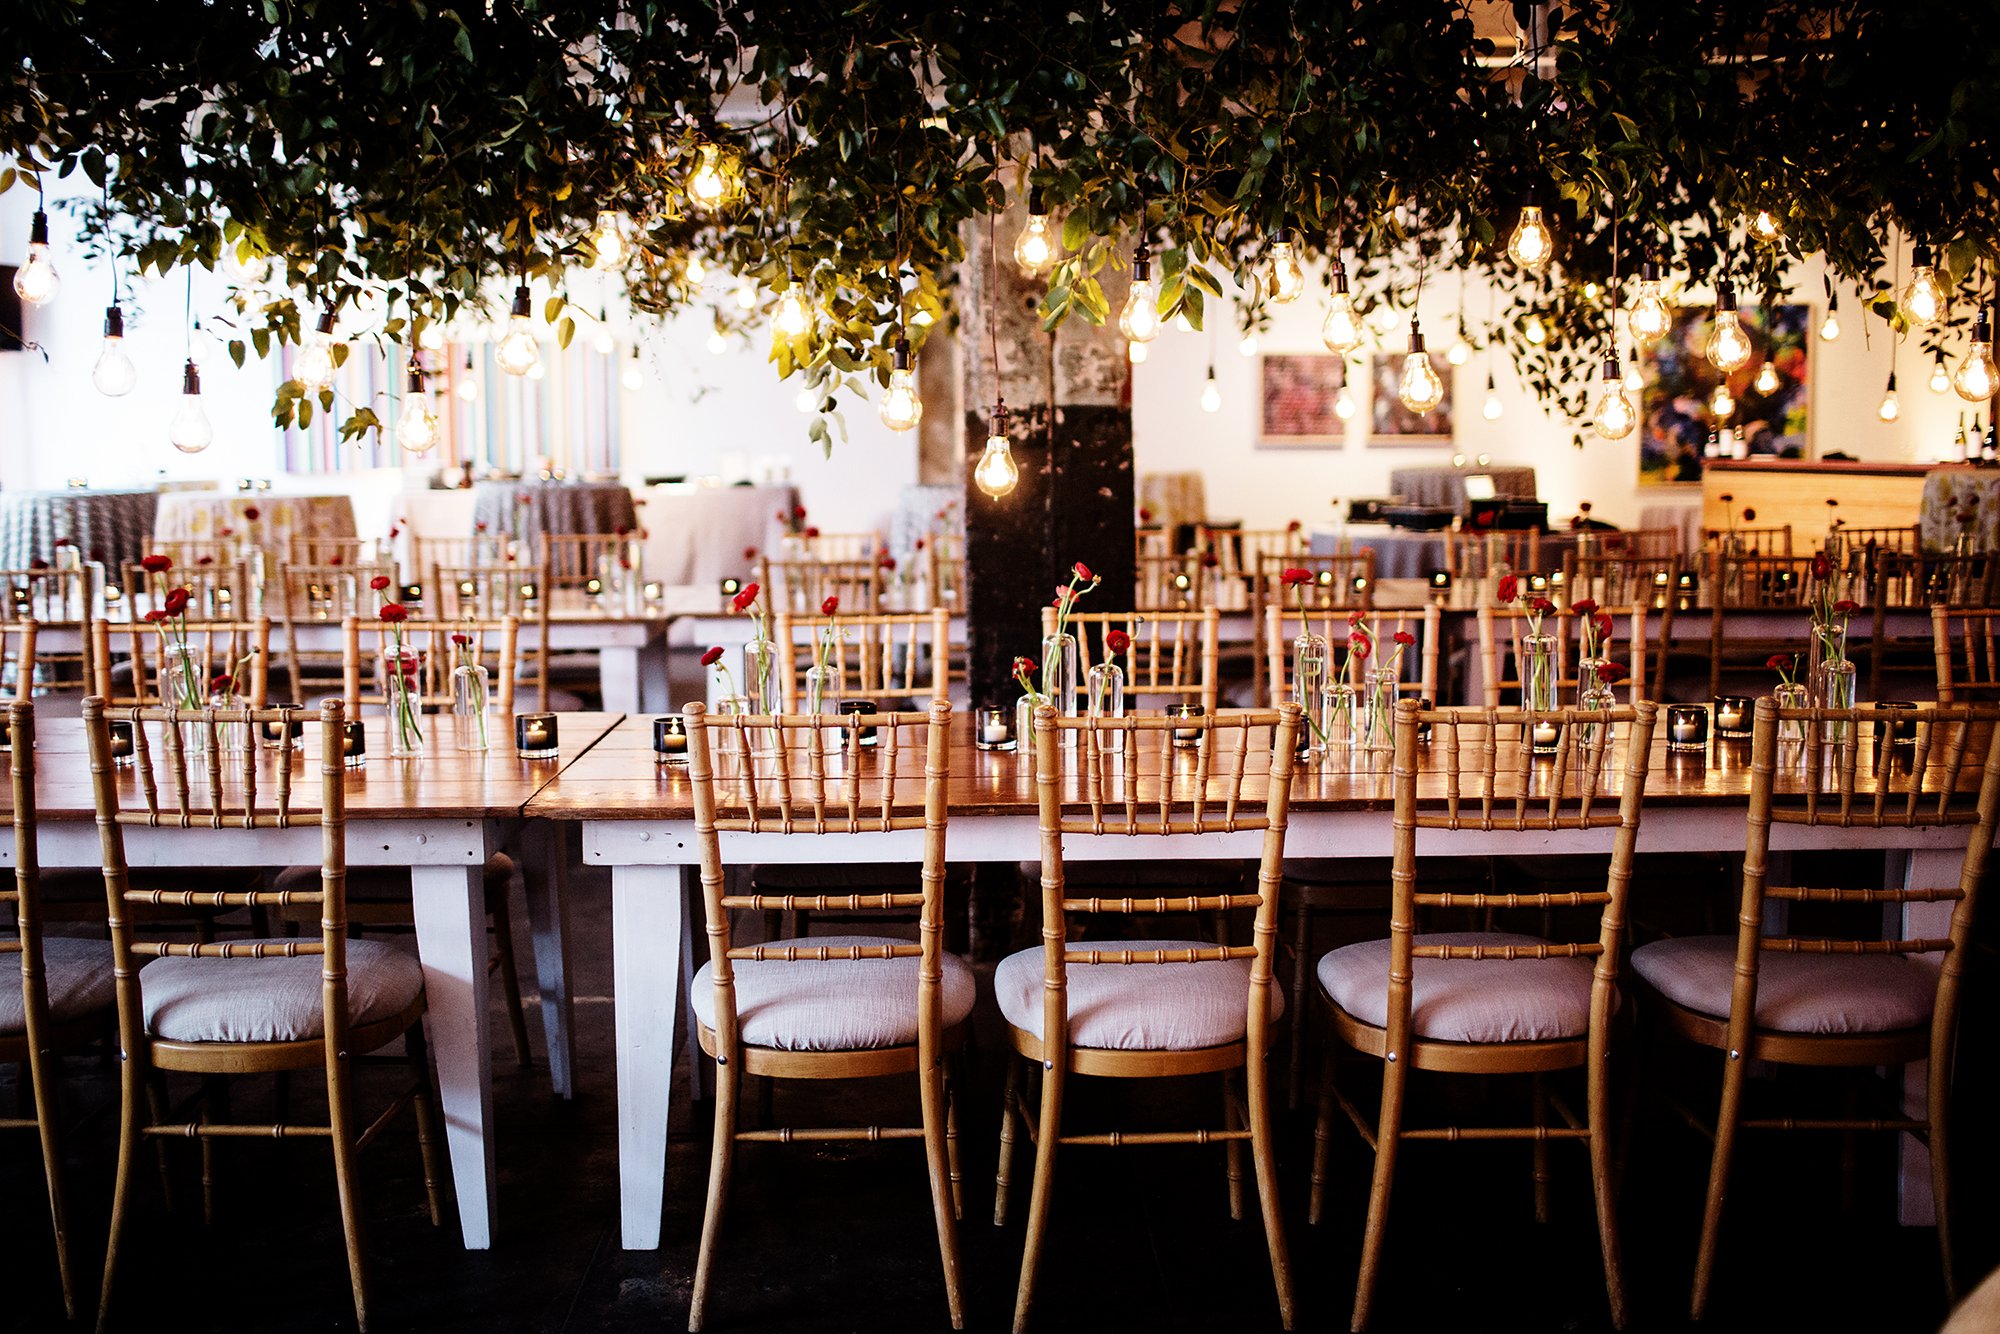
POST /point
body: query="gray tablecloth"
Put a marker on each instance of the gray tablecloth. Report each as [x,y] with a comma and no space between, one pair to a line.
[108,526]
[526,510]
[698,534]
[1445,485]
[1398,555]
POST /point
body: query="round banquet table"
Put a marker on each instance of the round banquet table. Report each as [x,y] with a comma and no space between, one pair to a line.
[1954,494]
[527,509]
[1399,554]
[196,516]
[1445,485]
[107,526]
[698,534]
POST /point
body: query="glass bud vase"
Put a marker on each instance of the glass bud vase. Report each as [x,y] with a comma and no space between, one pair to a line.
[232,736]
[1024,721]
[1104,689]
[1378,711]
[1792,695]
[1062,683]
[402,692]
[822,687]
[1336,719]
[1309,675]
[471,707]
[1597,698]
[761,687]
[181,683]
[1833,688]
[1538,690]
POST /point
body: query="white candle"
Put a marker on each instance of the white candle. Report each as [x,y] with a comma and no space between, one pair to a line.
[996,728]
[1545,734]
[1729,717]
[1684,729]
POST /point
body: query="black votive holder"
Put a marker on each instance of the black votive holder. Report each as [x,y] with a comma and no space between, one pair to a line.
[1901,729]
[993,727]
[1440,581]
[731,586]
[1733,715]
[593,587]
[124,744]
[536,736]
[670,740]
[354,745]
[1186,737]
[852,708]
[413,594]
[1423,728]
[1687,727]
[275,734]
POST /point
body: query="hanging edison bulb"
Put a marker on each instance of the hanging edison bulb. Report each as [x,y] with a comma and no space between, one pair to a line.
[718,342]
[902,407]
[1534,330]
[1341,330]
[1922,300]
[36,281]
[1140,320]
[633,377]
[468,384]
[315,366]
[795,317]
[1649,316]
[190,430]
[1136,353]
[1728,345]
[1829,328]
[602,340]
[1721,402]
[1889,408]
[746,295]
[1419,388]
[806,401]
[1977,376]
[1288,278]
[717,179]
[114,374]
[519,353]
[1767,381]
[1634,379]
[1940,381]
[1211,396]
[432,339]
[538,372]
[1248,347]
[417,429]
[1492,408]
[1343,403]
[1765,227]
[607,243]
[1035,247]
[1614,417]
[1460,350]
[996,472]
[1531,244]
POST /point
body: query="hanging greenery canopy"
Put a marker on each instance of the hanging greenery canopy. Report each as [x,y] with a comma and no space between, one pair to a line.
[435,154]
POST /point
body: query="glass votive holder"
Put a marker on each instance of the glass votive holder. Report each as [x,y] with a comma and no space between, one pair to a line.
[855,708]
[413,594]
[731,586]
[528,592]
[1440,581]
[1732,717]
[124,745]
[354,745]
[670,740]
[1687,727]
[651,591]
[535,736]
[1186,737]
[1424,705]
[593,587]
[276,734]
[1901,728]
[1538,583]
[993,727]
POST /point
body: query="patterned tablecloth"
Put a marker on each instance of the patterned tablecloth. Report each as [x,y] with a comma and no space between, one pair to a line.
[698,534]
[1398,555]
[526,510]
[1961,500]
[195,516]
[1445,485]
[107,526]
[1172,499]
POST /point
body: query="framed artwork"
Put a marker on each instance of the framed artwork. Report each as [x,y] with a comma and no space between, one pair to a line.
[1390,423]
[1767,402]
[1296,397]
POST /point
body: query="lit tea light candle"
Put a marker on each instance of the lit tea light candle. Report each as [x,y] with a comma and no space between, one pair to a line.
[1901,730]
[1687,727]
[731,586]
[354,744]
[113,595]
[413,593]
[466,588]
[993,728]
[1538,583]
[652,591]
[276,733]
[124,745]
[535,736]
[670,740]
[1182,583]
[1360,584]
[527,592]
[593,587]
[79,483]
[1424,705]
[1440,579]
[857,708]
[1545,734]
[1732,716]
[1186,736]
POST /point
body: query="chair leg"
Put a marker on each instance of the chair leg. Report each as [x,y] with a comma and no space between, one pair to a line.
[156,1110]
[1003,1176]
[426,1114]
[1726,1120]
[936,1108]
[952,1081]
[1604,1188]
[499,908]
[347,1176]
[1300,1017]
[721,1158]
[1938,1111]
[1388,1137]
[1850,1140]
[1264,1160]
[1541,1151]
[1048,1130]
[41,1082]
[1322,1134]
[130,1121]
[1232,1150]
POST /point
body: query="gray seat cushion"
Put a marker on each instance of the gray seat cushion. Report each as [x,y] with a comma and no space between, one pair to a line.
[833,1004]
[272,1000]
[1136,1006]
[78,975]
[1796,993]
[372,884]
[1466,1000]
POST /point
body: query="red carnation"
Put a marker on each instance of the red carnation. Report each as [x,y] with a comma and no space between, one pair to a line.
[1821,567]
[70,541]
[231,532]
[334,559]
[177,601]
[1294,577]
[1359,645]
[1602,623]
[1542,606]
[830,606]
[1024,666]
[746,599]
[1584,607]
[1847,606]
[379,582]
[1508,588]
[621,530]
[524,499]
[798,511]
[1145,515]
[1082,571]
[394,612]
[156,616]
[1749,515]
[1118,641]
[812,531]
[38,563]
[1484,519]
[218,683]
[1294,526]
[713,656]
[1209,560]
[1780,662]
[1405,638]
[920,544]
[156,564]
[462,639]
[1611,672]
[252,513]
[887,562]
[479,527]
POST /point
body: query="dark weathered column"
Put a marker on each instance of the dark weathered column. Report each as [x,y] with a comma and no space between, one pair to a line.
[1071,428]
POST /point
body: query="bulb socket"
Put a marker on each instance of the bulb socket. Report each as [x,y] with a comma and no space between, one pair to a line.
[1037,205]
[1612,371]
[1921,257]
[1416,335]
[999,418]
[1282,236]
[1982,328]
[1339,275]
[1142,266]
[1649,270]
[1725,296]
[521,302]
[38,229]
[191,378]
[1890,388]
[114,322]
[326,320]
[415,382]
[899,354]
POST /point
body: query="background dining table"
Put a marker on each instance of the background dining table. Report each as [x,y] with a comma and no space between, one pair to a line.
[111,527]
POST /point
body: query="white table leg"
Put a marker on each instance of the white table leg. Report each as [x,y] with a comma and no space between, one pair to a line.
[618,677]
[650,664]
[548,915]
[451,941]
[1929,869]
[645,966]
[691,1027]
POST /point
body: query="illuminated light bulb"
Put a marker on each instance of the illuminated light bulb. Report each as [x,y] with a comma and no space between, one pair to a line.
[315,368]
[432,338]
[1288,279]
[1940,381]
[902,407]
[1343,406]
[36,281]
[717,343]
[1135,353]
[717,178]
[607,243]
[519,353]
[1614,417]
[922,319]
[1635,380]
[1889,408]
[1387,319]
[1140,320]
[996,472]
[1721,402]
[694,271]
[1531,245]
[537,371]
[1420,388]
[1649,316]
[190,430]
[417,430]
[114,374]
[746,295]
[1922,300]
[1035,247]
[1590,291]
[1767,381]
[806,401]
[243,272]
[1765,227]
[1341,330]
[1534,330]
[633,377]
[1211,397]
[794,317]
[1248,347]
[1182,324]
[1728,345]
[1460,350]
[1977,376]
[1829,328]
[603,342]
[1492,408]
[468,384]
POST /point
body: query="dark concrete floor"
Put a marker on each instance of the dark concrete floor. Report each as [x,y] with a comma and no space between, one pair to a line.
[839,1238]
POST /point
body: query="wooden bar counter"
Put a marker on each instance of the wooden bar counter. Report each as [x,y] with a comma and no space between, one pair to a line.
[1872,494]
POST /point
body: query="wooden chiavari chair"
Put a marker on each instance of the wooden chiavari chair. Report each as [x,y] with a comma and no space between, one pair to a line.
[1956,580]
[1152,541]
[843,546]
[1752,583]
[1172,654]
[322,594]
[217,648]
[427,554]
[1749,541]
[1169,583]
[1613,580]
[219,590]
[817,1009]
[946,554]
[55,991]
[336,551]
[1238,552]
[1483,1002]
[247,1006]
[1336,625]
[1966,654]
[1083,1009]
[1828,1002]
[579,569]
[1501,632]
[56,596]
[1654,544]
[190,552]
[1473,554]
[492,593]
[801,586]
[900,657]
[1343,581]
[17,658]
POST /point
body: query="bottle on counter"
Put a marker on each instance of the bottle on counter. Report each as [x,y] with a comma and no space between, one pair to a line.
[1989,450]
[1961,449]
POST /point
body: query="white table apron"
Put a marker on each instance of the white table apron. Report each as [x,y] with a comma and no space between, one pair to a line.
[447,859]
[653,885]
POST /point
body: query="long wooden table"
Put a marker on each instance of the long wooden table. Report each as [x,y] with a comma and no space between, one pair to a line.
[637,818]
